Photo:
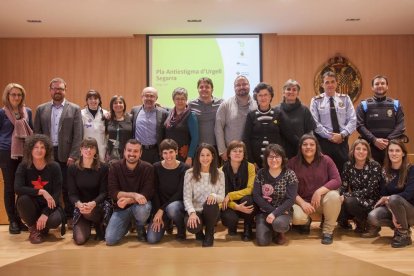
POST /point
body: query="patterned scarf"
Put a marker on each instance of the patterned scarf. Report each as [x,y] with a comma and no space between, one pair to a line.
[174,118]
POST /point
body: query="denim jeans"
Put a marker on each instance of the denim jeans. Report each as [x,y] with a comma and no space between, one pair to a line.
[175,212]
[120,221]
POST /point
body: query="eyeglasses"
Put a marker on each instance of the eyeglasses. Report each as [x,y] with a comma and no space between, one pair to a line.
[274,157]
[18,95]
[88,147]
[57,89]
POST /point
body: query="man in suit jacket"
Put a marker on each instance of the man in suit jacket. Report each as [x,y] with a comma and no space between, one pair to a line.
[62,122]
[148,124]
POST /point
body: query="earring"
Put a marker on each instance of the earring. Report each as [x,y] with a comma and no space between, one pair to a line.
[95,156]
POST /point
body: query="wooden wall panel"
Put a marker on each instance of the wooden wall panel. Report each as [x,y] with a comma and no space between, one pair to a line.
[118,66]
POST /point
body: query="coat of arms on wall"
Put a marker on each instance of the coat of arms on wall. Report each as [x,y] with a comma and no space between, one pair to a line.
[349,78]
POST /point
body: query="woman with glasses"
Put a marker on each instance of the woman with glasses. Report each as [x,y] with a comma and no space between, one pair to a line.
[262,125]
[93,117]
[181,125]
[119,129]
[395,208]
[38,185]
[319,181]
[238,203]
[87,183]
[275,190]
[15,125]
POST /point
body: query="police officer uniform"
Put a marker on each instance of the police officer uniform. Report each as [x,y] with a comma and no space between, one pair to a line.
[380,118]
[321,111]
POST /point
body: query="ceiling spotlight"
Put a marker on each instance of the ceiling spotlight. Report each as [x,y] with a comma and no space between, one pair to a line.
[194,20]
[34,21]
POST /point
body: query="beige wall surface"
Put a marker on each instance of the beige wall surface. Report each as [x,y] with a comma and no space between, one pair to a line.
[118,66]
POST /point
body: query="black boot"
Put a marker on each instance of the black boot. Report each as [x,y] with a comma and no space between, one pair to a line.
[247,232]
[100,232]
[372,232]
[402,238]
[361,226]
[209,237]
[200,236]
[141,234]
[14,228]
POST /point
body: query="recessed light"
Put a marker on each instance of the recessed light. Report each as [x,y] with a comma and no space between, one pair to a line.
[353,19]
[194,20]
[34,21]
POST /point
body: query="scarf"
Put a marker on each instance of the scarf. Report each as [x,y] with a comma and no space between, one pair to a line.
[20,132]
[235,181]
[174,119]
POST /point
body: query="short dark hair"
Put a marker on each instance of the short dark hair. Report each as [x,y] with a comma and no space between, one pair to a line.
[237,144]
[29,145]
[379,77]
[206,80]
[262,86]
[168,144]
[57,80]
[277,149]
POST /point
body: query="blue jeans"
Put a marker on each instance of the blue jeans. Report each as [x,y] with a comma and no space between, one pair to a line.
[175,212]
[120,220]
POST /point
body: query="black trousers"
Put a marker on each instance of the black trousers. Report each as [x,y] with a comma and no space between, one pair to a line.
[30,211]
[230,217]
[68,206]
[8,169]
[337,152]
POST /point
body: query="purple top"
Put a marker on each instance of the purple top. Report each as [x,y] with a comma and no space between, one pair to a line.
[315,175]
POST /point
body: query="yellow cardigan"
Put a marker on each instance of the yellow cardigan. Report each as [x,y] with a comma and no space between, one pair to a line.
[236,195]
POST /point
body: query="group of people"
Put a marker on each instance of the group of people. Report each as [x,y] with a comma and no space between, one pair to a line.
[207,160]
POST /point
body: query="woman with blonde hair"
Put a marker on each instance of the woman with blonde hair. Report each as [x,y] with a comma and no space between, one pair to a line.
[15,125]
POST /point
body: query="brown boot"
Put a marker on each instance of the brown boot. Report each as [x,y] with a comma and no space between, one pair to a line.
[280,238]
[35,236]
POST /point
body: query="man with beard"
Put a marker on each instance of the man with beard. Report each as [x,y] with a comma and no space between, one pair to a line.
[148,124]
[380,118]
[231,115]
[131,187]
[61,120]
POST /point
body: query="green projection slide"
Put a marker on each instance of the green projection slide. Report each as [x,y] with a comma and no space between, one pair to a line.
[179,61]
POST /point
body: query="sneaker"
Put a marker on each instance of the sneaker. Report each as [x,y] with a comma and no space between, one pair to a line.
[327,238]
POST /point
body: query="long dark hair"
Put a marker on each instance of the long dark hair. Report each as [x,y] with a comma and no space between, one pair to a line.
[111,103]
[405,165]
[89,142]
[29,145]
[214,172]
[318,152]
